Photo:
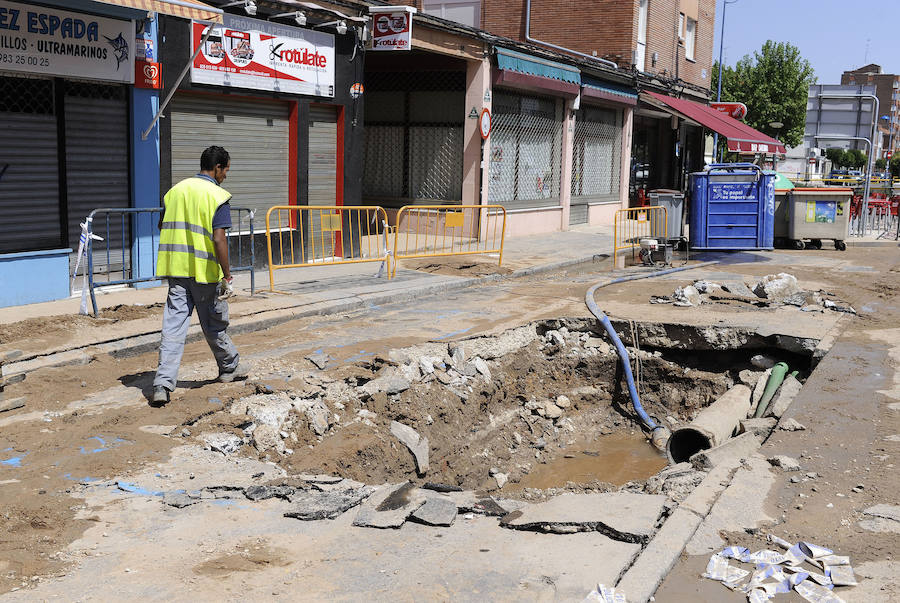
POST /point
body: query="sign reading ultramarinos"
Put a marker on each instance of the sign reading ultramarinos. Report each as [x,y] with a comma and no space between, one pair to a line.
[50,41]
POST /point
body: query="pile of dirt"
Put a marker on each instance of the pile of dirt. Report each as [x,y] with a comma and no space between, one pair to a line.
[47,329]
[551,390]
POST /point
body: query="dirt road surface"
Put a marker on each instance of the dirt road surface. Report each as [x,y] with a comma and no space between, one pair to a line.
[80,465]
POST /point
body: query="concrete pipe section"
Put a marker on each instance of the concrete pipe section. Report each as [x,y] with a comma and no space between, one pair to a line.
[711,427]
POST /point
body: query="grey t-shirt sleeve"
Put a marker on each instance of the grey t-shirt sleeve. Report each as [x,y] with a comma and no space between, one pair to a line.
[222,217]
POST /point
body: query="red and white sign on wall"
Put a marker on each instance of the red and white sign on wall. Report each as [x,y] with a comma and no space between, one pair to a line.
[248,53]
[147,75]
[735,110]
[392,27]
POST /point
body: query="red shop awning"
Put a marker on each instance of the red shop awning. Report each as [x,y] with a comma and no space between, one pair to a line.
[741,137]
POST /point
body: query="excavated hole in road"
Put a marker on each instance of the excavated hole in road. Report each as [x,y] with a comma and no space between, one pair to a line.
[511,421]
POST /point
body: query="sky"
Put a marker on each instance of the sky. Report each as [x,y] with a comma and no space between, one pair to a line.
[833,35]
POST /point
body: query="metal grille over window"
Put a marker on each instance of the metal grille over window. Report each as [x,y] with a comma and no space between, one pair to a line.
[22,95]
[595,155]
[414,137]
[526,144]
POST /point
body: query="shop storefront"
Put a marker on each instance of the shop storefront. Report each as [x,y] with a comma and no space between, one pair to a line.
[65,84]
[600,146]
[277,97]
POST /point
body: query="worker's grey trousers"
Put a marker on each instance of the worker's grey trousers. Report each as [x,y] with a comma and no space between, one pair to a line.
[185,294]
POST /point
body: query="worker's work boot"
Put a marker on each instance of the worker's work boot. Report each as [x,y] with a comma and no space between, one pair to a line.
[240,372]
[160,396]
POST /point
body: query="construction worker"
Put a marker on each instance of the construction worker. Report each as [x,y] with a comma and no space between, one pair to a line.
[193,256]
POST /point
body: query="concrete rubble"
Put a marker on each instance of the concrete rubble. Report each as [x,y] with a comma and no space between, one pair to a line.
[791,424]
[417,444]
[785,463]
[390,506]
[789,389]
[623,516]
[881,518]
[312,504]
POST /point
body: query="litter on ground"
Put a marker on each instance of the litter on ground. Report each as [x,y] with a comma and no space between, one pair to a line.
[778,573]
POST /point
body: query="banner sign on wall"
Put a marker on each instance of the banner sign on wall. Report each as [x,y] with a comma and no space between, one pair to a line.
[249,53]
[391,27]
[49,41]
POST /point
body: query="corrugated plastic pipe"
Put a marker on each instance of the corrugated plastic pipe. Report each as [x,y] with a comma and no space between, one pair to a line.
[772,385]
[659,434]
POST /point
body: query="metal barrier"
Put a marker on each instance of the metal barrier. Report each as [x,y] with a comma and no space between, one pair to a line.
[317,235]
[636,223]
[425,231]
[129,257]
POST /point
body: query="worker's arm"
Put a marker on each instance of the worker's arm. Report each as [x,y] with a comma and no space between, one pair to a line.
[220,241]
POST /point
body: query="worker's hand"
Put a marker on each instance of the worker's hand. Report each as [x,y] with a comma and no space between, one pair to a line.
[226,289]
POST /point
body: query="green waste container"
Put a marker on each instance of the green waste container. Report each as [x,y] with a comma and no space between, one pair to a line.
[815,214]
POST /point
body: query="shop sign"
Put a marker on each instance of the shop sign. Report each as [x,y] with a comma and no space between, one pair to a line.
[735,110]
[147,75]
[357,89]
[392,31]
[248,53]
[49,41]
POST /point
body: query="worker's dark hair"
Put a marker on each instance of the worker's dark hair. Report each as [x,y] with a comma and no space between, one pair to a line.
[212,157]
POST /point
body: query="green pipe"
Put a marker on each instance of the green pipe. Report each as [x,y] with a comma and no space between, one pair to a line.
[772,385]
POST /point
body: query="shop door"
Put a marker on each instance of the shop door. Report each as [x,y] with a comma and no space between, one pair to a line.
[255,134]
[322,174]
[97,170]
[29,189]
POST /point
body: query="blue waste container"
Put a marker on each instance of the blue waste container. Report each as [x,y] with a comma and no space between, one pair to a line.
[733,207]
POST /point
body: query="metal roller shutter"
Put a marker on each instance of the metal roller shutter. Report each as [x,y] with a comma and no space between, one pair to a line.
[322,177]
[29,190]
[526,151]
[596,160]
[255,134]
[97,151]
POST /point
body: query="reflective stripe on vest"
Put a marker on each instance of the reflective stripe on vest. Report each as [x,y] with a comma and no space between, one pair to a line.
[186,247]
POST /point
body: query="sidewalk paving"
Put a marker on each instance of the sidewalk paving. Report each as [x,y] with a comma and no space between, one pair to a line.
[313,291]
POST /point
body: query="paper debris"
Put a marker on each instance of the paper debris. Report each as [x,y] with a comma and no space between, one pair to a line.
[605,594]
[841,575]
[816,594]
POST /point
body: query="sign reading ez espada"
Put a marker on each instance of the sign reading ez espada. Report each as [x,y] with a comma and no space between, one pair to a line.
[49,41]
[248,53]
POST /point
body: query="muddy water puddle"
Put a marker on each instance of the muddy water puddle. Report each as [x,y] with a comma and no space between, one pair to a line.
[617,458]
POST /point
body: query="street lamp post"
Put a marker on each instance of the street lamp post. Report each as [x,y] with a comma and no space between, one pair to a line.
[775,125]
[725,4]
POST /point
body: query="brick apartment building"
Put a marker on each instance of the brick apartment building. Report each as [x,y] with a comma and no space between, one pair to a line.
[887,89]
[666,46]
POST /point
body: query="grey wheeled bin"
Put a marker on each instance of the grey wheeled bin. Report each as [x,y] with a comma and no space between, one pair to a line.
[819,213]
[673,201]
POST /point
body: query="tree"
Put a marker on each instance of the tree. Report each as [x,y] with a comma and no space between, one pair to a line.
[774,84]
[836,156]
[855,159]
[895,166]
[881,164]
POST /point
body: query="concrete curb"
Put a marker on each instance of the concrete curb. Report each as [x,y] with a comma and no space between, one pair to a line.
[851,243]
[148,341]
[654,563]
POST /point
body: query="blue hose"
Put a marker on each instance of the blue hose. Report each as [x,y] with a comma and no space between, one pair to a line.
[649,423]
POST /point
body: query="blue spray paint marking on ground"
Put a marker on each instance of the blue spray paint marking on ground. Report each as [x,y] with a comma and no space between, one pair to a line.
[103,445]
[133,489]
[358,356]
[85,480]
[453,334]
[15,461]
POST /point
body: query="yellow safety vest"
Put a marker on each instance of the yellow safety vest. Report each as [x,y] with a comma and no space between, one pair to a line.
[186,248]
